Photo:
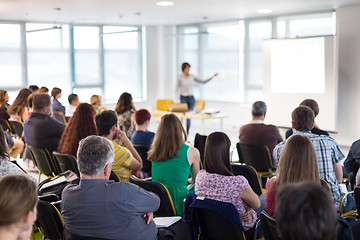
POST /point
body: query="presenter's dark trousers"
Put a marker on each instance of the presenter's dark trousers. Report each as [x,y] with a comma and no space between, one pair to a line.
[190,101]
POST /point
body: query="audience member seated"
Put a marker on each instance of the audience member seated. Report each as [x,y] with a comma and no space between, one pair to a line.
[43,90]
[256,132]
[56,105]
[305,211]
[34,88]
[125,111]
[99,207]
[41,130]
[354,154]
[73,103]
[30,102]
[18,202]
[297,164]
[142,136]
[172,160]
[216,181]
[4,98]
[95,101]
[81,125]
[328,154]
[315,107]
[19,109]
[126,159]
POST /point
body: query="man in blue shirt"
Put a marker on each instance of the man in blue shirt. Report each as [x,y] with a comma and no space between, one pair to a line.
[99,207]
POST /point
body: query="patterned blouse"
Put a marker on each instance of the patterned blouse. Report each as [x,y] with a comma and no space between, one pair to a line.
[225,189]
[7,168]
[126,122]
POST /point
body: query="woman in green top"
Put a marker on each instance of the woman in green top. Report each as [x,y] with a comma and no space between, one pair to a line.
[172,160]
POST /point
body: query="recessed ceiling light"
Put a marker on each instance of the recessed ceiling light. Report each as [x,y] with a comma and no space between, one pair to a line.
[164,3]
[264,11]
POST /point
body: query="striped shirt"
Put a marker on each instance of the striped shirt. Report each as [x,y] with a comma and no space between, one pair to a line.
[328,153]
[123,158]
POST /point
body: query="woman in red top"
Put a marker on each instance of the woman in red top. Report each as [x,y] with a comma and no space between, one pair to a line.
[297,164]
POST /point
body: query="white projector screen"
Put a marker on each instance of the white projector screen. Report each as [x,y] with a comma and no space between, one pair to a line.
[297,69]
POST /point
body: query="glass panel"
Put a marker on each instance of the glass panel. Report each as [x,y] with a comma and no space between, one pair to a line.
[86,37]
[121,37]
[259,31]
[253,95]
[256,69]
[311,27]
[87,67]
[51,38]
[10,69]
[191,38]
[10,37]
[281,29]
[86,93]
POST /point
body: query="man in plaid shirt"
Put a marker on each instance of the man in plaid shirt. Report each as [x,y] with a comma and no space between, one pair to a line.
[328,154]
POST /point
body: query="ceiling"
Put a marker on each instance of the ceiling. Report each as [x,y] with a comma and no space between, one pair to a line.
[147,12]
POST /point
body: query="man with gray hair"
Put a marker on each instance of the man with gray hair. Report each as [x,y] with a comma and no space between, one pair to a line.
[257,132]
[101,208]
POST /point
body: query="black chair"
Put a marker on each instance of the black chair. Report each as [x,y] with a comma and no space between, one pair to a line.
[66,162]
[44,161]
[143,152]
[199,144]
[5,124]
[325,184]
[357,199]
[49,221]
[268,225]
[17,128]
[250,174]
[166,204]
[114,177]
[59,116]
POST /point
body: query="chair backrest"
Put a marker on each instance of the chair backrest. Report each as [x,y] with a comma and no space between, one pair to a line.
[17,128]
[199,143]
[250,174]
[5,124]
[163,104]
[199,105]
[49,220]
[325,184]
[114,177]
[357,198]
[166,204]
[66,162]
[59,116]
[268,225]
[44,161]
[143,152]
[255,155]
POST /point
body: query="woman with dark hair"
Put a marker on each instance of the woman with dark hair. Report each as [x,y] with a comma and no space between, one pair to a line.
[4,98]
[172,160]
[125,111]
[56,105]
[297,163]
[216,181]
[18,201]
[19,109]
[81,125]
[185,85]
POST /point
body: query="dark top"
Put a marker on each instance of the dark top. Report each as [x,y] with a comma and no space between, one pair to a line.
[354,154]
[259,133]
[108,209]
[57,106]
[315,130]
[142,138]
[4,113]
[42,131]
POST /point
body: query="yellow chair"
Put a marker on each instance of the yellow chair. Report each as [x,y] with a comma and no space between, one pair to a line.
[199,105]
[163,104]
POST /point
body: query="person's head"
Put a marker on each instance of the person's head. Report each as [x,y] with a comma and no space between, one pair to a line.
[95,100]
[80,125]
[305,211]
[4,97]
[217,154]
[4,149]
[95,157]
[56,93]
[312,104]
[43,90]
[302,119]
[18,201]
[258,109]
[185,68]
[124,103]
[73,99]
[142,116]
[30,100]
[297,161]
[20,102]
[42,103]
[169,138]
[106,123]
[34,88]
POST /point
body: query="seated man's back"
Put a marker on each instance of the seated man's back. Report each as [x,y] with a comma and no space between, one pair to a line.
[104,208]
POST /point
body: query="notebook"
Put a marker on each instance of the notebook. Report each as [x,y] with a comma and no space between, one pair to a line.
[164,222]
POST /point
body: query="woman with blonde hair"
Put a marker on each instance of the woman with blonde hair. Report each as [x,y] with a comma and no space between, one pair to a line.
[95,101]
[172,160]
[18,201]
[297,163]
